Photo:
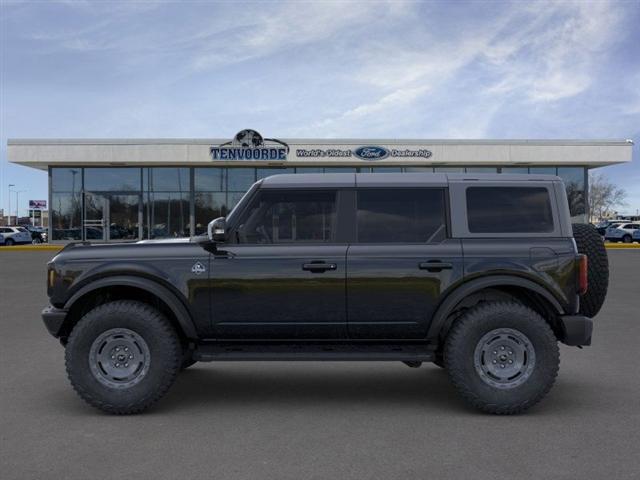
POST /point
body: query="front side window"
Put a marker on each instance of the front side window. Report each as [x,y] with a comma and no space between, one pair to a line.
[289,217]
[509,210]
[390,215]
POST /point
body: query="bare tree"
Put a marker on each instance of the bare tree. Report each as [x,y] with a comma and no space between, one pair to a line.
[604,196]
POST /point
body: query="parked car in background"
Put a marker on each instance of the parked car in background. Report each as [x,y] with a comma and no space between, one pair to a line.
[636,235]
[15,235]
[38,234]
[602,226]
[621,233]
[1,239]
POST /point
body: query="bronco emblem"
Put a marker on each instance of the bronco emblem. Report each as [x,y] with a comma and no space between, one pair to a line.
[198,268]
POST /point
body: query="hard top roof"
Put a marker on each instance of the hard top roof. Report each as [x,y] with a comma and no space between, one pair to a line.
[409,179]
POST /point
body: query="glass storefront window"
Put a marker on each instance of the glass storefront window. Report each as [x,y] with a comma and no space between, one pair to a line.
[208,206]
[267,172]
[309,169]
[383,169]
[573,178]
[449,169]
[418,169]
[481,170]
[65,211]
[112,179]
[240,179]
[543,170]
[340,169]
[66,179]
[514,170]
[166,215]
[166,179]
[210,179]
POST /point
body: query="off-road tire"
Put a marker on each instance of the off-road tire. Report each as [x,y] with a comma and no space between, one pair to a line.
[589,243]
[165,356]
[468,331]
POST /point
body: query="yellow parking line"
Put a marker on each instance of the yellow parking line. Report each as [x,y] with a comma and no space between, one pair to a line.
[622,246]
[14,248]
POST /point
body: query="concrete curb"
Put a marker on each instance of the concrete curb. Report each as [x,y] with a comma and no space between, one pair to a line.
[622,246]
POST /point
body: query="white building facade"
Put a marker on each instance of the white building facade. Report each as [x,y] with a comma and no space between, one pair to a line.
[132,189]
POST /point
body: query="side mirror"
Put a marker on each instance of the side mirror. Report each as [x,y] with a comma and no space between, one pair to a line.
[217,230]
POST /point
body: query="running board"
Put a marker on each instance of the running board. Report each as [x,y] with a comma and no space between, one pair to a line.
[210,352]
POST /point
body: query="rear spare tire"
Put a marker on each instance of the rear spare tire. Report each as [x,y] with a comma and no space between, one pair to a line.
[589,243]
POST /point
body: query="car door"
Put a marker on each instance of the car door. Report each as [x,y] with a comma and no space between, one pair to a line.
[282,274]
[400,263]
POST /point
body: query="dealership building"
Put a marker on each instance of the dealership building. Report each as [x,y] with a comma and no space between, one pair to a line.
[132,189]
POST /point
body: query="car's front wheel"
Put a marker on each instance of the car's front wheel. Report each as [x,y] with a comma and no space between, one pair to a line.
[9,242]
[502,357]
[123,356]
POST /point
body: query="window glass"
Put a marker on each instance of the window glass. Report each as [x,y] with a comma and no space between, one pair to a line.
[111,179]
[481,170]
[208,206]
[65,216]
[543,170]
[449,169]
[166,179]
[240,179]
[267,172]
[290,216]
[66,179]
[418,169]
[513,170]
[573,178]
[401,215]
[210,179]
[166,215]
[309,170]
[383,169]
[509,210]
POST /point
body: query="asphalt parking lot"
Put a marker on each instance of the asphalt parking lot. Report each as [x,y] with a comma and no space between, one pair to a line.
[317,420]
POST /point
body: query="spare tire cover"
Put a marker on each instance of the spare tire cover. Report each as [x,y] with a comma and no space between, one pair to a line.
[589,243]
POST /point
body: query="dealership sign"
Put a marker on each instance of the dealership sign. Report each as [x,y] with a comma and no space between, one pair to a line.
[38,204]
[250,145]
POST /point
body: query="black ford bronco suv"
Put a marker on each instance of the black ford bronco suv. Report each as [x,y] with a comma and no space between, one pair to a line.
[480,274]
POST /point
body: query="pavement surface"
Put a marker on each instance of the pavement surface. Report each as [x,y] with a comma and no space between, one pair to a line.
[317,420]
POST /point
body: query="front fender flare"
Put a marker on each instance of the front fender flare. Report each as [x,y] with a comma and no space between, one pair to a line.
[460,293]
[176,306]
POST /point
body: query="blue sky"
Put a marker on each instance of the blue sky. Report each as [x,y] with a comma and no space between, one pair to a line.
[322,69]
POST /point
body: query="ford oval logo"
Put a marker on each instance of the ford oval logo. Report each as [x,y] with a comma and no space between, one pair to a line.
[371,153]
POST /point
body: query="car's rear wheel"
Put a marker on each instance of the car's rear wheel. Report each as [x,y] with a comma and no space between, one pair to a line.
[9,242]
[36,241]
[123,356]
[590,244]
[502,357]
[626,239]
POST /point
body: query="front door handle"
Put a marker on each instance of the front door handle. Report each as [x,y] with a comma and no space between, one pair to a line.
[319,267]
[434,266]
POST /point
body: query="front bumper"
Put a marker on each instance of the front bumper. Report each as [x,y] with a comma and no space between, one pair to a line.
[576,330]
[54,320]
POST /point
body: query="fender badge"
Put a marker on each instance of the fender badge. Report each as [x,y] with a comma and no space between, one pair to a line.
[198,268]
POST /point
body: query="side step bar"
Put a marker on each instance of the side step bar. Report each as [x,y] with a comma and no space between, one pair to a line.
[210,352]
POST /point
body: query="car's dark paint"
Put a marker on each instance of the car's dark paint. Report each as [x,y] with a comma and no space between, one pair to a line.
[275,291]
[360,292]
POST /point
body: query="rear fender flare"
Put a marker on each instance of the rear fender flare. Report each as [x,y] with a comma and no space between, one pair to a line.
[447,306]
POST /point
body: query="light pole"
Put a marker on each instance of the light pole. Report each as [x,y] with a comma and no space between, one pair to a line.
[18,192]
[9,211]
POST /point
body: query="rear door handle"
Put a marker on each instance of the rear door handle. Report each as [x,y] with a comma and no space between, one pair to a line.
[319,267]
[434,266]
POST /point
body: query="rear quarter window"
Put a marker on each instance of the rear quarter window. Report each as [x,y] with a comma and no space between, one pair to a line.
[509,210]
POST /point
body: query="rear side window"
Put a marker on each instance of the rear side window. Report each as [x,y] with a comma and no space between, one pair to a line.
[509,210]
[390,215]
